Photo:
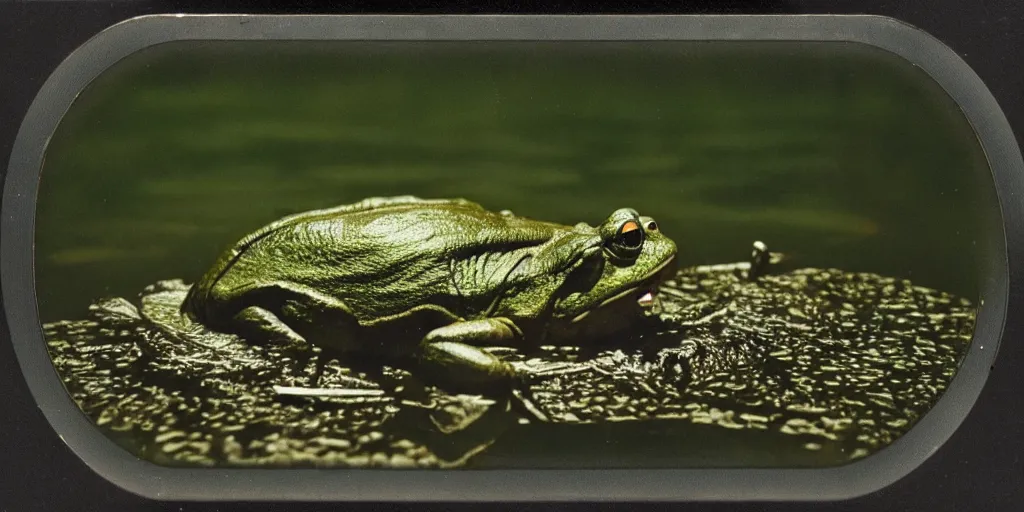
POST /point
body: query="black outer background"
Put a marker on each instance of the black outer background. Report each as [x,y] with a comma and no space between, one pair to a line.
[980,468]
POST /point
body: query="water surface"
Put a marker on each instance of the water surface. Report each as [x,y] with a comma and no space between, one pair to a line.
[840,155]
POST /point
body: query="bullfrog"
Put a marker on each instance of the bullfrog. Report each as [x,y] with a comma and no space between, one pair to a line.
[434,280]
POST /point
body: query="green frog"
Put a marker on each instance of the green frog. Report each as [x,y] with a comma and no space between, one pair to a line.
[437,280]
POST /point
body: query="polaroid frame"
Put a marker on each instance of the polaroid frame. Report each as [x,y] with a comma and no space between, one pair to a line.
[854,479]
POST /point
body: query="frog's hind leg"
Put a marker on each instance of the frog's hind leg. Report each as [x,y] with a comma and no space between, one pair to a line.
[299,318]
[451,354]
[321,320]
[257,323]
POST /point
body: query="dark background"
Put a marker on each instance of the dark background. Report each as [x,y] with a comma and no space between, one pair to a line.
[978,469]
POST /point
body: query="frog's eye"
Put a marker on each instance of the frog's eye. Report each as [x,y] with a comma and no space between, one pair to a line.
[649,225]
[630,236]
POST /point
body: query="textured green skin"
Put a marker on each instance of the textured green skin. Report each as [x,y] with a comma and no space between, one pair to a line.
[432,279]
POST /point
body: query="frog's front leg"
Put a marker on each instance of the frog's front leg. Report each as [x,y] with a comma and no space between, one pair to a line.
[451,353]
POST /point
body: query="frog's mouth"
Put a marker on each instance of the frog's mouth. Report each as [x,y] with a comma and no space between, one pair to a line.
[645,292]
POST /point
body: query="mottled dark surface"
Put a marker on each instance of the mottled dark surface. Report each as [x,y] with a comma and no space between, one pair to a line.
[810,367]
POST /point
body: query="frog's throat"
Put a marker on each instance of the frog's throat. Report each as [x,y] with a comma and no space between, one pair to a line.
[646,282]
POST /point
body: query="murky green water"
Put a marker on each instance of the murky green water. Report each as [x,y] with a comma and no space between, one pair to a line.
[839,155]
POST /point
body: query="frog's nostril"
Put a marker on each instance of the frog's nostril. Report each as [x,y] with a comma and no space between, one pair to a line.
[651,226]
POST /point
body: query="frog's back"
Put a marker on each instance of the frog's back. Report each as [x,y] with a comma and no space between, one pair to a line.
[380,256]
[199,293]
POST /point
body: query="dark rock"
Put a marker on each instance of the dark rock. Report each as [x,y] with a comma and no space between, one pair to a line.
[842,363]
